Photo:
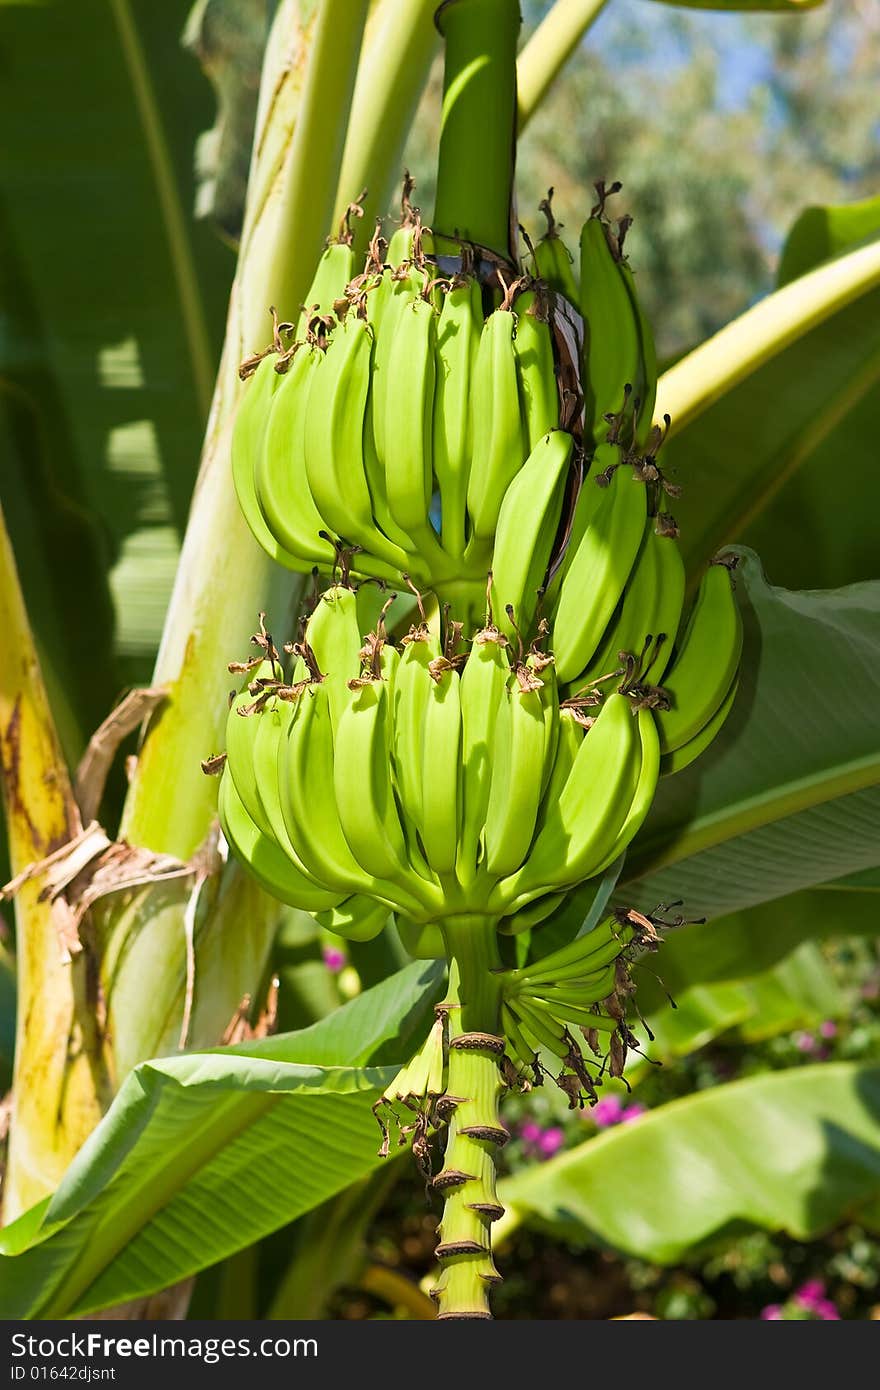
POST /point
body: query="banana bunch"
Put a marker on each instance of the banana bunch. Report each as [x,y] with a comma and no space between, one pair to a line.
[426,781]
[395,416]
[584,985]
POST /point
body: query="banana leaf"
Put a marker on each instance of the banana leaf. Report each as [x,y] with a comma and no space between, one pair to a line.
[116,299]
[795,1151]
[788,796]
[202,1154]
[761,460]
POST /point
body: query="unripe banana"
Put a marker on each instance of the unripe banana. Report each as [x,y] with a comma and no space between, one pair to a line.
[536,367]
[705,660]
[580,829]
[412,687]
[498,430]
[527,527]
[607,531]
[645,788]
[421,940]
[365,800]
[612,347]
[458,340]
[645,388]
[357,918]
[334,457]
[262,856]
[441,768]
[335,270]
[247,445]
[554,263]
[408,454]
[333,633]
[682,757]
[241,733]
[517,774]
[280,479]
[649,609]
[483,687]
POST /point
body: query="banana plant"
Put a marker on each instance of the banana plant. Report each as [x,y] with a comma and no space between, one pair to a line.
[145,956]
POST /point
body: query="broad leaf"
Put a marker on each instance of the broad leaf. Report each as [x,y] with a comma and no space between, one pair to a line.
[116,300]
[754,403]
[794,1151]
[201,1155]
[818,530]
[797,993]
[789,794]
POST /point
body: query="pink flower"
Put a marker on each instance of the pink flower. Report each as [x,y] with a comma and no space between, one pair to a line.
[551,1141]
[608,1111]
[828,1029]
[334,959]
[812,1297]
[772,1313]
[805,1042]
[541,1142]
[632,1112]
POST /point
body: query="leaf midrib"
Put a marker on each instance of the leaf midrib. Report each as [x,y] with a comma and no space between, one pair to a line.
[671,845]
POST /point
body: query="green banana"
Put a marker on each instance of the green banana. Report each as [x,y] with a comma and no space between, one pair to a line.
[645,387]
[241,732]
[440,803]
[334,456]
[705,661]
[333,633]
[247,445]
[517,774]
[412,686]
[607,532]
[583,825]
[357,918]
[498,430]
[682,757]
[553,261]
[650,608]
[483,687]
[421,940]
[612,344]
[335,270]
[458,340]
[645,788]
[365,801]
[408,451]
[535,365]
[265,861]
[305,779]
[282,487]
[527,527]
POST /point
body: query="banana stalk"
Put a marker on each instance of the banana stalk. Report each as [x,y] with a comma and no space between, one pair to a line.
[474,1086]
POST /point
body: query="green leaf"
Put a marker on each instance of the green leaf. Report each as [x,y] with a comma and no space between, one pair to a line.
[796,993]
[116,300]
[816,531]
[821,233]
[794,1151]
[202,1154]
[757,400]
[788,796]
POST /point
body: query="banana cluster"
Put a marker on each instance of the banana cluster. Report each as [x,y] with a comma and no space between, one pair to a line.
[391,419]
[434,779]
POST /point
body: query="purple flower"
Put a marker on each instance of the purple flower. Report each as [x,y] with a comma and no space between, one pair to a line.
[334,959]
[828,1029]
[540,1142]
[551,1141]
[606,1112]
[632,1112]
[812,1297]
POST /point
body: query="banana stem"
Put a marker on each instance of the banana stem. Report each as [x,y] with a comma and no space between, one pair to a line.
[474,1085]
[478,124]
